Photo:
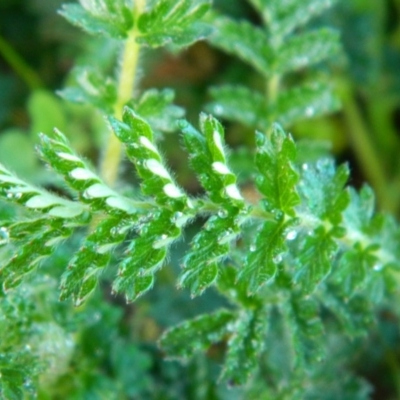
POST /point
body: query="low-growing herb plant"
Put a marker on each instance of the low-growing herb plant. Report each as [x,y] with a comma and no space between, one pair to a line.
[298,258]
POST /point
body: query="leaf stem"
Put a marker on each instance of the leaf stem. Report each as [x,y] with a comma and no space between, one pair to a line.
[18,64]
[126,83]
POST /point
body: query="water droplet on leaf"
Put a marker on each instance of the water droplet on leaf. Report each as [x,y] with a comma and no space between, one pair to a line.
[291,235]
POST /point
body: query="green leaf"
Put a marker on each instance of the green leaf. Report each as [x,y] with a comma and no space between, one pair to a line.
[57,151]
[106,17]
[277,178]
[92,88]
[146,253]
[238,103]
[355,315]
[309,100]
[245,41]
[157,181]
[306,331]
[315,259]
[83,272]
[209,247]
[209,161]
[358,215]
[38,246]
[264,256]
[189,337]
[306,49]
[156,107]
[176,22]
[355,267]
[283,16]
[322,191]
[245,346]
[17,191]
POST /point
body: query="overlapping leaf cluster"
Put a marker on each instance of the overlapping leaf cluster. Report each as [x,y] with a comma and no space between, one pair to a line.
[307,248]
[277,50]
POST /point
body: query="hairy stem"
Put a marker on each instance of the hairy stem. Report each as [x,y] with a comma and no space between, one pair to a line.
[18,64]
[126,82]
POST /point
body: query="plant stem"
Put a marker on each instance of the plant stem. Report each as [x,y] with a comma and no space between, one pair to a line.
[126,82]
[18,64]
[365,152]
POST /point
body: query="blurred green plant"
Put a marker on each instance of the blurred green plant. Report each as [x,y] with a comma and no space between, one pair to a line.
[292,260]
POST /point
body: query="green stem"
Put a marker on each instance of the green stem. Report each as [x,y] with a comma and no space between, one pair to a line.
[126,82]
[365,152]
[18,64]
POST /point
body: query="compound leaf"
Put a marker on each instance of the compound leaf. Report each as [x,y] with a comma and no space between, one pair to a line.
[306,49]
[173,22]
[245,41]
[184,340]
[245,346]
[277,177]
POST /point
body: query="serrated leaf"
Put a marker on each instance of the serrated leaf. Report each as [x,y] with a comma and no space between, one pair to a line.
[261,262]
[157,181]
[283,16]
[358,216]
[83,272]
[209,161]
[355,267]
[245,346]
[209,247]
[198,334]
[277,178]
[156,106]
[93,88]
[322,190]
[306,330]
[57,151]
[315,259]
[238,103]
[16,190]
[39,246]
[173,22]
[309,100]
[307,49]
[146,253]
[355,315]
[245,41]
[110,18]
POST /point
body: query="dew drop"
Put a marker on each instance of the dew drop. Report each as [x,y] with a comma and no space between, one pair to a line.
[222,213]
[278,258]
[291,235]
[278,215]
[304,167]
[253,248]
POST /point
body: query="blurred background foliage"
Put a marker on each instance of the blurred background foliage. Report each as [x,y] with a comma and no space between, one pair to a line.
[106,349]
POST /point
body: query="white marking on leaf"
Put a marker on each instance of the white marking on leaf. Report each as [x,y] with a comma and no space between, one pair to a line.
[98,191]
[67,156]
[146,143]
[82,174]
[218,142]
[233,192]
[157,168]
[221,168]
[172,191]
